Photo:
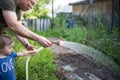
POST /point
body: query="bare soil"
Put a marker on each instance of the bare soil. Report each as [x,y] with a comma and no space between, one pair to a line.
[74,66]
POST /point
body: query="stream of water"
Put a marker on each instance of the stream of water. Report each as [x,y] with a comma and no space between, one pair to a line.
[88,51]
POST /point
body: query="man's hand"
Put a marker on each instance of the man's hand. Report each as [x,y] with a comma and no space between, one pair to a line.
[29,47]
[44,41]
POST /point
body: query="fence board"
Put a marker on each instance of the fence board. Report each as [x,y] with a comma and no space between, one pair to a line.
[38,24]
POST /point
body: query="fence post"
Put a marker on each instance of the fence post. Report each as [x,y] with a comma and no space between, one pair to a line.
[90,13]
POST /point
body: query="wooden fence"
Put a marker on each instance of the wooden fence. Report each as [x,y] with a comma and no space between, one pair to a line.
[38,24]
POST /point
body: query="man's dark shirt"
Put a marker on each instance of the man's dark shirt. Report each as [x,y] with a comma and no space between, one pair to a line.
[8,5]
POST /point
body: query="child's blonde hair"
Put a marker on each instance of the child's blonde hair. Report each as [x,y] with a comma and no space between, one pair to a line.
[5,40]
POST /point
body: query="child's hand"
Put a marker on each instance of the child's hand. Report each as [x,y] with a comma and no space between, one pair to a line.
[35,51]
[25,53]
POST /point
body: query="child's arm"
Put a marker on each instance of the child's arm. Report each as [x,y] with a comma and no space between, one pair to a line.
[32,52]
[25,53]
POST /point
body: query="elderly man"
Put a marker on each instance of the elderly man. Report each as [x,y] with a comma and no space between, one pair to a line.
[10,18]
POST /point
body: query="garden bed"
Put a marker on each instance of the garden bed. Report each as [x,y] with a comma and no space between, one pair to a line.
[76,66]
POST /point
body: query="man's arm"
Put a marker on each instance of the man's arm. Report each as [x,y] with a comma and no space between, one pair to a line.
[16,27]
[25,42]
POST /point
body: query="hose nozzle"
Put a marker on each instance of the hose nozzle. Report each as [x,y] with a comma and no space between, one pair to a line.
[57,42]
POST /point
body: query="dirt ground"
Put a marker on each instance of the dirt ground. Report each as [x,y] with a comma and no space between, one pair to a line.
[74,66]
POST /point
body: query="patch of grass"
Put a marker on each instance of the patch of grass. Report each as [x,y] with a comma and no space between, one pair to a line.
[44,69]
[77,34]
[105,40]
[41,66]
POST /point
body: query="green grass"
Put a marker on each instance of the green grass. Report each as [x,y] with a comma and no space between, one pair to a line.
[77,34]
[41,66]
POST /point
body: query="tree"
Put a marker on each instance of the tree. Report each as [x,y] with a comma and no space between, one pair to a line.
[38,11]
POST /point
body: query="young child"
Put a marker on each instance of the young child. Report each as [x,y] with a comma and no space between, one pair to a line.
[7,71]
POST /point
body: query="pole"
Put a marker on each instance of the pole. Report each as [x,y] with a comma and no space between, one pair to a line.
[90,13]
[52,23]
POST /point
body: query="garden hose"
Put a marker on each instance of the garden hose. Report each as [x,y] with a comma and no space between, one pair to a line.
[27,66]
[57,42]
[27,61]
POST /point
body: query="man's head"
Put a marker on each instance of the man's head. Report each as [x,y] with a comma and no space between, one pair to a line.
[25,4]
[6,44]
